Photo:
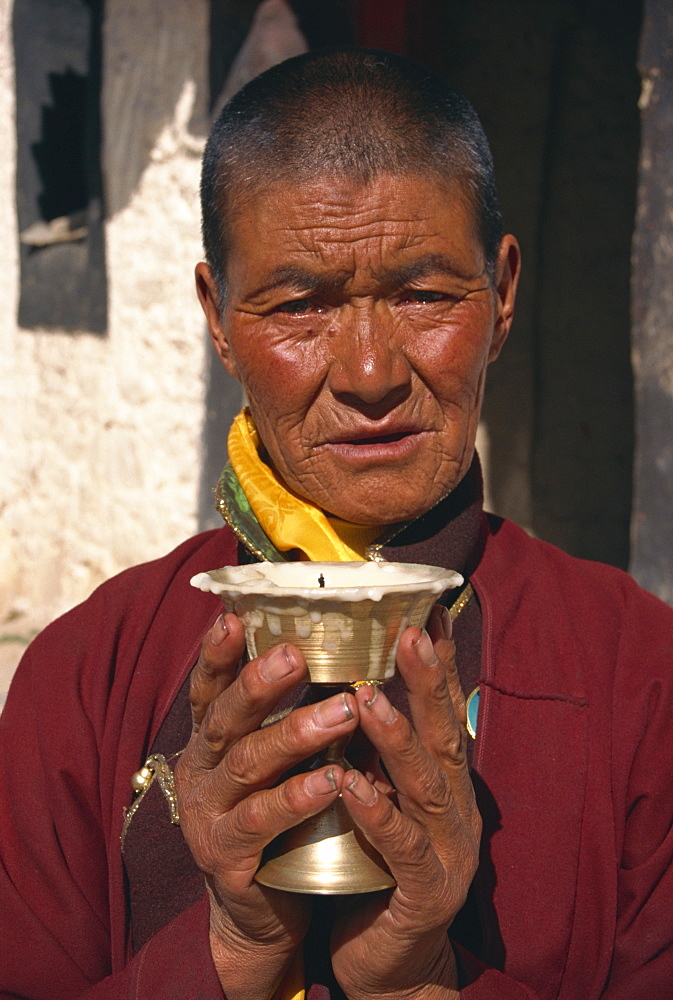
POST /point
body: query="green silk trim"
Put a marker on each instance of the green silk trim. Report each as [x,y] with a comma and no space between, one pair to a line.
[235,508]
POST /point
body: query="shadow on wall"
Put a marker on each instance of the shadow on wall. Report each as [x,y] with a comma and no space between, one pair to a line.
[143,87]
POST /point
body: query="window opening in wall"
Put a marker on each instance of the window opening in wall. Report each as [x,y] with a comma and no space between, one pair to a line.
[57,50]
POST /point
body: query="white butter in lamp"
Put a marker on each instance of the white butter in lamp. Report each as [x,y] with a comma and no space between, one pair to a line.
[347,629]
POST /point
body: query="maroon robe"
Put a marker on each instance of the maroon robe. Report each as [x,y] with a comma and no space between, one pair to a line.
[573,768]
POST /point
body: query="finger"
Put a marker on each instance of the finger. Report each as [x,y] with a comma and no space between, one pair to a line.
[426,660]
[221,651]
[259,759]
[425,790]
[420,873]
[245,703]
[363,756]
[440,630]
[241,835]
[425,668]
[430,890]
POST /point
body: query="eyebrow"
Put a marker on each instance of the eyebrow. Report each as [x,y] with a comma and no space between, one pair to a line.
[422,267]
[301,280]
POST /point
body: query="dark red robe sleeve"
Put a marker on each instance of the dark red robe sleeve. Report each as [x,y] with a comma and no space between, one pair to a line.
[54,910]
[79,716]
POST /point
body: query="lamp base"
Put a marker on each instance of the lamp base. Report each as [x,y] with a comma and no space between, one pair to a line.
[326,855]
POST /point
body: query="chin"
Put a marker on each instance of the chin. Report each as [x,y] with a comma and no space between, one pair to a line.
[385,513]
[384,499]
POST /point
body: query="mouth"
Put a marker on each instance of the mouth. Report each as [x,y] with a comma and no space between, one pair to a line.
[359,442]
[376,447]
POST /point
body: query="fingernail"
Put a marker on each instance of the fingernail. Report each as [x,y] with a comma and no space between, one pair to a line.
[321,782]
[379,706]
[425,650]
[333,711]
[218,632]
[447,624]
[275,664]
[361,789]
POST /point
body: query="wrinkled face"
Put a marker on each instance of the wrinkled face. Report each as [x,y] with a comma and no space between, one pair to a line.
[360,321]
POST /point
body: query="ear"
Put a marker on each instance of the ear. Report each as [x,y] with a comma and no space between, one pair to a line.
[507,270]
[206,290]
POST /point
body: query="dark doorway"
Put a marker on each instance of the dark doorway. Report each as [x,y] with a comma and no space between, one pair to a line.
[57,47]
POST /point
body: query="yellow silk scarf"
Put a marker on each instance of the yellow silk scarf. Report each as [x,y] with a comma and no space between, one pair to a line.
[291,522]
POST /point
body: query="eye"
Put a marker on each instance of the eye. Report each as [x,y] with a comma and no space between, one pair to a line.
[298,307]
[423,296]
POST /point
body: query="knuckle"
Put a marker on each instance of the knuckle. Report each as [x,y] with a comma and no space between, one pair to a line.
[242,825]
[196,679]
[212,732]
[251,814]
[411,752]
[456,746]
[436,796]
[293,730]
[415,844]
[242,699]
[248,692]
[406,836]
[248,682]
[291,797]
[286,739]
[402,737]
[241,763]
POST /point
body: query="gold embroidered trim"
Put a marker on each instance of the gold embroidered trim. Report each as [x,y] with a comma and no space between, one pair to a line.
[156,766]
[224,512]
[461,602]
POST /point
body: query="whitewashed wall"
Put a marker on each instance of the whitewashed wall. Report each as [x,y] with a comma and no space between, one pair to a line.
[100,436]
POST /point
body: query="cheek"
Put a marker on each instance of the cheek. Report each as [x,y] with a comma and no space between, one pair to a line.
[452,366]
[280,377]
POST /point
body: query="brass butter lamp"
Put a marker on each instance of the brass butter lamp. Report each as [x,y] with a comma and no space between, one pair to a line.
[347,619]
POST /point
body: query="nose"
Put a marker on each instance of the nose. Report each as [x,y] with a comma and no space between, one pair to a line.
[368,368]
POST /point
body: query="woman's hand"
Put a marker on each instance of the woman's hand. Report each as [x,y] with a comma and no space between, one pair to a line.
[428,830]
[231,807]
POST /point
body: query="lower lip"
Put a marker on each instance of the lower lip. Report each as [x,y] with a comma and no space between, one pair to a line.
[376,451]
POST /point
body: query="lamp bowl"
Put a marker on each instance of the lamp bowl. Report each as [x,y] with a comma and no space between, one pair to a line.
[345,617]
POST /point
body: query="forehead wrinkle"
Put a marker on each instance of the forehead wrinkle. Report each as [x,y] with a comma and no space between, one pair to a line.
[362,227]
[318,220]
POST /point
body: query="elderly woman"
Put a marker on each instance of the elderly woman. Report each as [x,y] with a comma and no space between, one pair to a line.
[358,284]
